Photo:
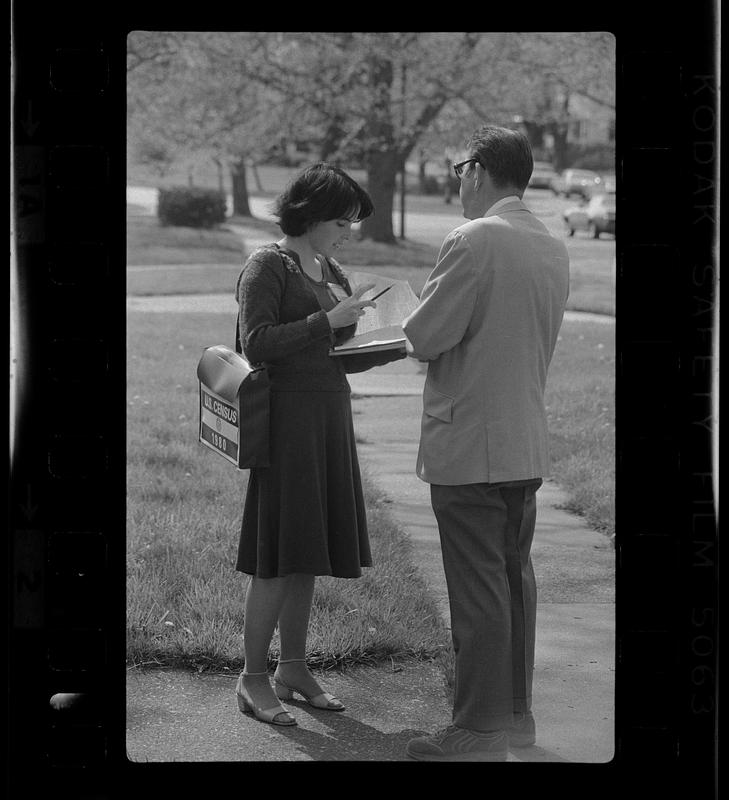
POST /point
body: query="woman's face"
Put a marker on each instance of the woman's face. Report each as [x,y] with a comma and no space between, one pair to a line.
[327,237]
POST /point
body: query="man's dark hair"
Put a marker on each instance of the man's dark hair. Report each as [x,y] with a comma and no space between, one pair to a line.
[505,154]
[320,193]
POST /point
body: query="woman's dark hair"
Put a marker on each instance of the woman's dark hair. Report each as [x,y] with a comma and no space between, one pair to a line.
[505,154]
[320,193]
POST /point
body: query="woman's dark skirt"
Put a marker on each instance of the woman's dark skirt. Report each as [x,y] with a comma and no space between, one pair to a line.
[305,512]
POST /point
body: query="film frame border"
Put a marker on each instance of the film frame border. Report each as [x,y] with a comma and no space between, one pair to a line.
[65,482]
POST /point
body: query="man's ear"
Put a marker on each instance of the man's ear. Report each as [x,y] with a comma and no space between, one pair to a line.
[478,176]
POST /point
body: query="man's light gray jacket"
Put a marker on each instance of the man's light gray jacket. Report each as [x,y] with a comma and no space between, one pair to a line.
[487,323]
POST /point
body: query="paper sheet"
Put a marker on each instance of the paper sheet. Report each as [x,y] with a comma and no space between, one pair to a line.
[380,327]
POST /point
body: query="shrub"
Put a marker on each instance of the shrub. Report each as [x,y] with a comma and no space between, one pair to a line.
[191,207]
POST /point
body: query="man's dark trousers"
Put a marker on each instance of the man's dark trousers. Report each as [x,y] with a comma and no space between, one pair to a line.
[486,532]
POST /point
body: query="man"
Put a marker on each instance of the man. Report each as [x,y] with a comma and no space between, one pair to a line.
[487,323]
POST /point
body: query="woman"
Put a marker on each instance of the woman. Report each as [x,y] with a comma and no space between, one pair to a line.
[304,514]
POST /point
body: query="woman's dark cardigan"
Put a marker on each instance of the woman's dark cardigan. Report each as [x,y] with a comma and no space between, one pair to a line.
[283,326]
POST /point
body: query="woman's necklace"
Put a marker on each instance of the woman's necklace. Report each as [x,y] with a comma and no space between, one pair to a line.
[319,268]
[318,264]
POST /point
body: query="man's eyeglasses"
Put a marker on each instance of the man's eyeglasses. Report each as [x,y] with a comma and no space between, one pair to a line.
[458,168]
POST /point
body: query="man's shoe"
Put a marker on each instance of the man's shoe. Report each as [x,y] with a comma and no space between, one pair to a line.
[523,733]
[459,744]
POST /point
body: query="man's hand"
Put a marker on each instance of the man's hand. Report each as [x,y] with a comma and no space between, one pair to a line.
[410,352]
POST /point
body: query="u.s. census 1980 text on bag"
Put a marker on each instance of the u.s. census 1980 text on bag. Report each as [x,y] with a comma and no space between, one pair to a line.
[234,407]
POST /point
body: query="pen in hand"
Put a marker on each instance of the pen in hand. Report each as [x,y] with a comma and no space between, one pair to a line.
[379,294]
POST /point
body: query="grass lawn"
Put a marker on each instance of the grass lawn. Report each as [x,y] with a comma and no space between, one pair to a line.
[148,242]
[184,599]
[220,254]
[184,509]
[185,504]
[592,278]
[580,401]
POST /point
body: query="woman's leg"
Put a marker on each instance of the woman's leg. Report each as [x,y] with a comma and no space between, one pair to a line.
[293,626]
[293,619]
[264,600]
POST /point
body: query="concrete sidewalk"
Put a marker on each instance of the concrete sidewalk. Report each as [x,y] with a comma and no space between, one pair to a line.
[574,565]
[226,304]
[173,715]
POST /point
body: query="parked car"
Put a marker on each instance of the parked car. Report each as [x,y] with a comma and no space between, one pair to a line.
[576,181]
[542,175]
[595,216]
[609,182]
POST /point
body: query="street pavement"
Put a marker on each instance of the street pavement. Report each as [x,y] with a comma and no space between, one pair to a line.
[177,716]
[226,303]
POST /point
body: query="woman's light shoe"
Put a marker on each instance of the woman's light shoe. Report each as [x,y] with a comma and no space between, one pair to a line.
[284,691]
[275,716]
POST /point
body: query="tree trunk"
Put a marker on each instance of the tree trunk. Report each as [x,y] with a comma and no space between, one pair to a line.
[332,139]
[559,131]
[382,160]
[256,177]
[219,167]
[535,134]
[382,169]
[447,184]
[422,161]
[239,181]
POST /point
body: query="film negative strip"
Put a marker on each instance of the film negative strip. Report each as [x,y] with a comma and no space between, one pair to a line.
[667,494]
[66,438]
[67,421]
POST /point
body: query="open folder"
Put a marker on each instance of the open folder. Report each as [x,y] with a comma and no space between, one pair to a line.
[381,327]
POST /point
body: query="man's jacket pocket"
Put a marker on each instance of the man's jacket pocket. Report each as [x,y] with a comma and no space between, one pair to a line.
[438,405]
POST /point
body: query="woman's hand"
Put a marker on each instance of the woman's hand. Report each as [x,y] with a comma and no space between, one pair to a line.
[350,310]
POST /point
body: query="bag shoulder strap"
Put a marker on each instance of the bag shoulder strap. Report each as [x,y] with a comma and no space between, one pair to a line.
[342,279]
[289,266]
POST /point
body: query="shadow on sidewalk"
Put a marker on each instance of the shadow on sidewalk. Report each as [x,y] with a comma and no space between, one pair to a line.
[347,739]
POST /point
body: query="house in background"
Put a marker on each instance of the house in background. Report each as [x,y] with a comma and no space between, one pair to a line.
[583,136]
[590,123]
